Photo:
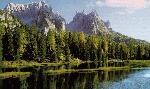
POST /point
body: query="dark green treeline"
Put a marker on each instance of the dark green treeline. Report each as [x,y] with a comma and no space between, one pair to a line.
[29,44]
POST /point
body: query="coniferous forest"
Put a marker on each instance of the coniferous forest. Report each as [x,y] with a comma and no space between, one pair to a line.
[39,49]
[29,44]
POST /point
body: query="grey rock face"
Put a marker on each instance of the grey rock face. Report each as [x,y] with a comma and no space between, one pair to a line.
[88,23]
[38,14]
[107,24]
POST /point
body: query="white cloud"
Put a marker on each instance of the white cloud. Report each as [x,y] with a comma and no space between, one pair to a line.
[125,12]
[90,4]
[147,3]
[128,4]
[131,4]
[100,3]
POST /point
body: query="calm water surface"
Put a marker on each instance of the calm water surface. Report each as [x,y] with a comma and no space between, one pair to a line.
[122,79]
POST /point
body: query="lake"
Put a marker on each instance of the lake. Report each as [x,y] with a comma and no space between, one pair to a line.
[120,79]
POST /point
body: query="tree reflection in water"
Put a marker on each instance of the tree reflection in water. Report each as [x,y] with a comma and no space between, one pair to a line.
[78,80]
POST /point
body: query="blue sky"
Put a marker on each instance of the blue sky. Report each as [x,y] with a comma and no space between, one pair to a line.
[129,17]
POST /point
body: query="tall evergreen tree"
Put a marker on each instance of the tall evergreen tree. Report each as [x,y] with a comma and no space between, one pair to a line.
[41,40]
[99,52]
[20,42]
[31,48]
[60,41]
[74,44]
[1,44]
[82,48]
[51,46]
[140,52]
[67,53]
[124,51]
[8,48]
[105,52]
[94,47]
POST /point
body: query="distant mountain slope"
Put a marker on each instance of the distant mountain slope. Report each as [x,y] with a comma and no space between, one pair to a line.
[93,24]
[38,14]
[42,16]
[118,37]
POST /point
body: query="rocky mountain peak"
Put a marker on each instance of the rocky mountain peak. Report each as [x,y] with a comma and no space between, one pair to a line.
[90,23]
[107,23]
[94,14]
[39,14]
[12,7]
[78,16]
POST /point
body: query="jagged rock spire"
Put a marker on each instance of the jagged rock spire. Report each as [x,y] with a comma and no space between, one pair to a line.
[90,23]
[39,14]
[107,23]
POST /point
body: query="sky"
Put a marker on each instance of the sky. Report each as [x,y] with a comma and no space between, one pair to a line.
[129,17]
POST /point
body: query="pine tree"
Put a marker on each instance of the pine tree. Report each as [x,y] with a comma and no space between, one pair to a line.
[74,44]
[105,52]
[140,52]
[88,48]
[7,42]
[41,40]
[146,54]
[1,44]
[60,41]
[124,51]
[99,53]
[20,42]
[94,47]
[31,48]
[82,41]
[51,46]
[67,53]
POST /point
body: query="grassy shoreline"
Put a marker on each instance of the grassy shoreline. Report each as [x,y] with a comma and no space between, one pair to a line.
[139,63]
[22,64]
[86,70]
[14,74]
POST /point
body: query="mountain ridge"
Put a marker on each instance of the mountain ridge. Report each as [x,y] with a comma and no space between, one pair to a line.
[44,18]
[90,23]
[39,14]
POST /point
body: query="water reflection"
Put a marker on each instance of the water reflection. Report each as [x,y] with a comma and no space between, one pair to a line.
[79,80]
[120,79]
[136,80]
